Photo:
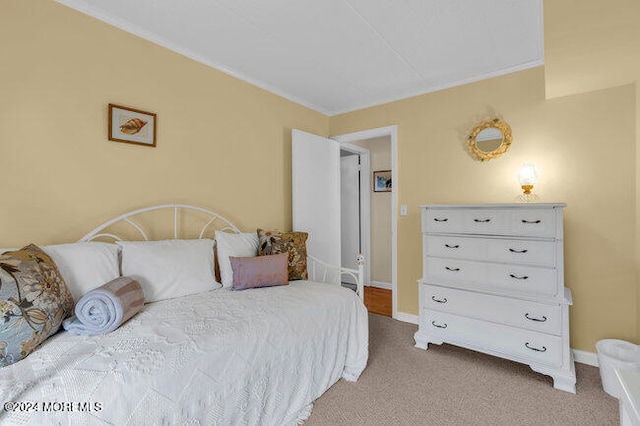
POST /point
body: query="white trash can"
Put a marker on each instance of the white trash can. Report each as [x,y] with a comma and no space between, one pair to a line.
[613,353]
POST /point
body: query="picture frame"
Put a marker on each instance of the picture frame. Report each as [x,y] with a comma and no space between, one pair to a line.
[132,126]
[382,181]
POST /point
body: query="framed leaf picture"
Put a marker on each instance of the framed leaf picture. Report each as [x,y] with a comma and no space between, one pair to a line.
[132,126]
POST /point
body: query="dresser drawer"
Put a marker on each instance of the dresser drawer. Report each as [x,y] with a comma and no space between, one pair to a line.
[532,223]
[513,279]
[484,221]
[519,313]
[527,346]
[456,247]
[443,220]
[464,221]
[525,252]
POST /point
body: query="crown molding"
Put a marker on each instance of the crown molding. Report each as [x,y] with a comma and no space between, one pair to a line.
[437,87]
[101,15]
[134,29]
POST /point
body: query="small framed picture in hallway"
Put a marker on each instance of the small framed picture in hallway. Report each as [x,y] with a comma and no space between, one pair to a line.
[382,181]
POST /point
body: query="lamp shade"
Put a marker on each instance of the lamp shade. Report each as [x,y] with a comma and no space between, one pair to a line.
[528,174]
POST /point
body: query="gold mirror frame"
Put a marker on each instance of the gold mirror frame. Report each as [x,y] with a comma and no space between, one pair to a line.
[496,123]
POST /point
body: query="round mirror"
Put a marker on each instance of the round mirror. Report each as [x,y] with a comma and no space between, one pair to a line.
[489,139]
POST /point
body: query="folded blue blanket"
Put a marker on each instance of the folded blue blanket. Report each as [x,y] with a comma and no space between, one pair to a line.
[105,308]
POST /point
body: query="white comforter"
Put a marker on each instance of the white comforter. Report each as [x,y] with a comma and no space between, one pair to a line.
[253,357]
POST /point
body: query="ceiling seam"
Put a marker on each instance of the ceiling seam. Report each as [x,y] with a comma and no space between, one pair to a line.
[386,43]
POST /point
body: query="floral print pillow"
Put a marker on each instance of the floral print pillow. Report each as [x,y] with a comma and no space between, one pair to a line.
[295,243]
[34,300]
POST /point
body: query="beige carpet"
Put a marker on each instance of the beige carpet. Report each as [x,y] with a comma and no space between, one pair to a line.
[446,385]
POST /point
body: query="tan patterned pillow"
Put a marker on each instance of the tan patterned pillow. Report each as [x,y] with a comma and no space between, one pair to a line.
[275,242]
[34,300]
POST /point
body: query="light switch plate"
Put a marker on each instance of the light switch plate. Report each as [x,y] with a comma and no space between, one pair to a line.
[403,210]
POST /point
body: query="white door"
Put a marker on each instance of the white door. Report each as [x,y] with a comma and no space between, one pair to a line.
[316,194]
[350,210]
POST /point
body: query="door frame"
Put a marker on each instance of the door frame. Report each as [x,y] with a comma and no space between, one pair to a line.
[392,132]
[365,204]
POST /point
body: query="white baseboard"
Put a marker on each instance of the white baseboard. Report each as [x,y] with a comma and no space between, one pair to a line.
[404,317]
[380,284]
[583,357]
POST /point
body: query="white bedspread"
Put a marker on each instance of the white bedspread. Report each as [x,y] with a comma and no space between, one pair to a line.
[253,357]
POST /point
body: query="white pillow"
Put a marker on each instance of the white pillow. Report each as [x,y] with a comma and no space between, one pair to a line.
[236,245]
[170,268]
[85,266]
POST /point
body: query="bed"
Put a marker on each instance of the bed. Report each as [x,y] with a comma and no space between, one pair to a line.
[253,357]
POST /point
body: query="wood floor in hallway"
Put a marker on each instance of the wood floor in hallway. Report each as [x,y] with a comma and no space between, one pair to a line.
[378,301]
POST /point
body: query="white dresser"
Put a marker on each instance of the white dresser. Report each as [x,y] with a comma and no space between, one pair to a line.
[493,281]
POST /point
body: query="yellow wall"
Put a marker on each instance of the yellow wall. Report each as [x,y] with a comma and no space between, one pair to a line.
[565,137]
[590,45]
[637,221]
[222,143]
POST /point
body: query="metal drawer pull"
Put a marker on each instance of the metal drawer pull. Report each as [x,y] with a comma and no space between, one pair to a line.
[448,246]
[444,325]
[451,269]
[518,251]
[440,220]
[482,220]
[443,300]
[543,319]
[544,348]
[531,221]
[524,277]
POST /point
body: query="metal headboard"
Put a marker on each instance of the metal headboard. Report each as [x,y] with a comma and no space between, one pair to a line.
[318,270]
[127,217]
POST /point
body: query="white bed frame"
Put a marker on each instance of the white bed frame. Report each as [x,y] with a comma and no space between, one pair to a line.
[318,270]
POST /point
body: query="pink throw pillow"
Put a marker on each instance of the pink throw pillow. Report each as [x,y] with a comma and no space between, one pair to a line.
[259,271]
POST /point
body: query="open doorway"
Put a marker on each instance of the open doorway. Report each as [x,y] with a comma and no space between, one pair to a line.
[366,217]
[368,214]
[355,210]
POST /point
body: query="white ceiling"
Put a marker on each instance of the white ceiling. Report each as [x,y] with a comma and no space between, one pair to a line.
[340,55]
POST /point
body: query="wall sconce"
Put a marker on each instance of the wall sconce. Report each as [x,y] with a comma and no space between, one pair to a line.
[528,176]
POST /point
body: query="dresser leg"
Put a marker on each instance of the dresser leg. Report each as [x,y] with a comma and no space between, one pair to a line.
[422,340]
[567,384]
[562,379]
